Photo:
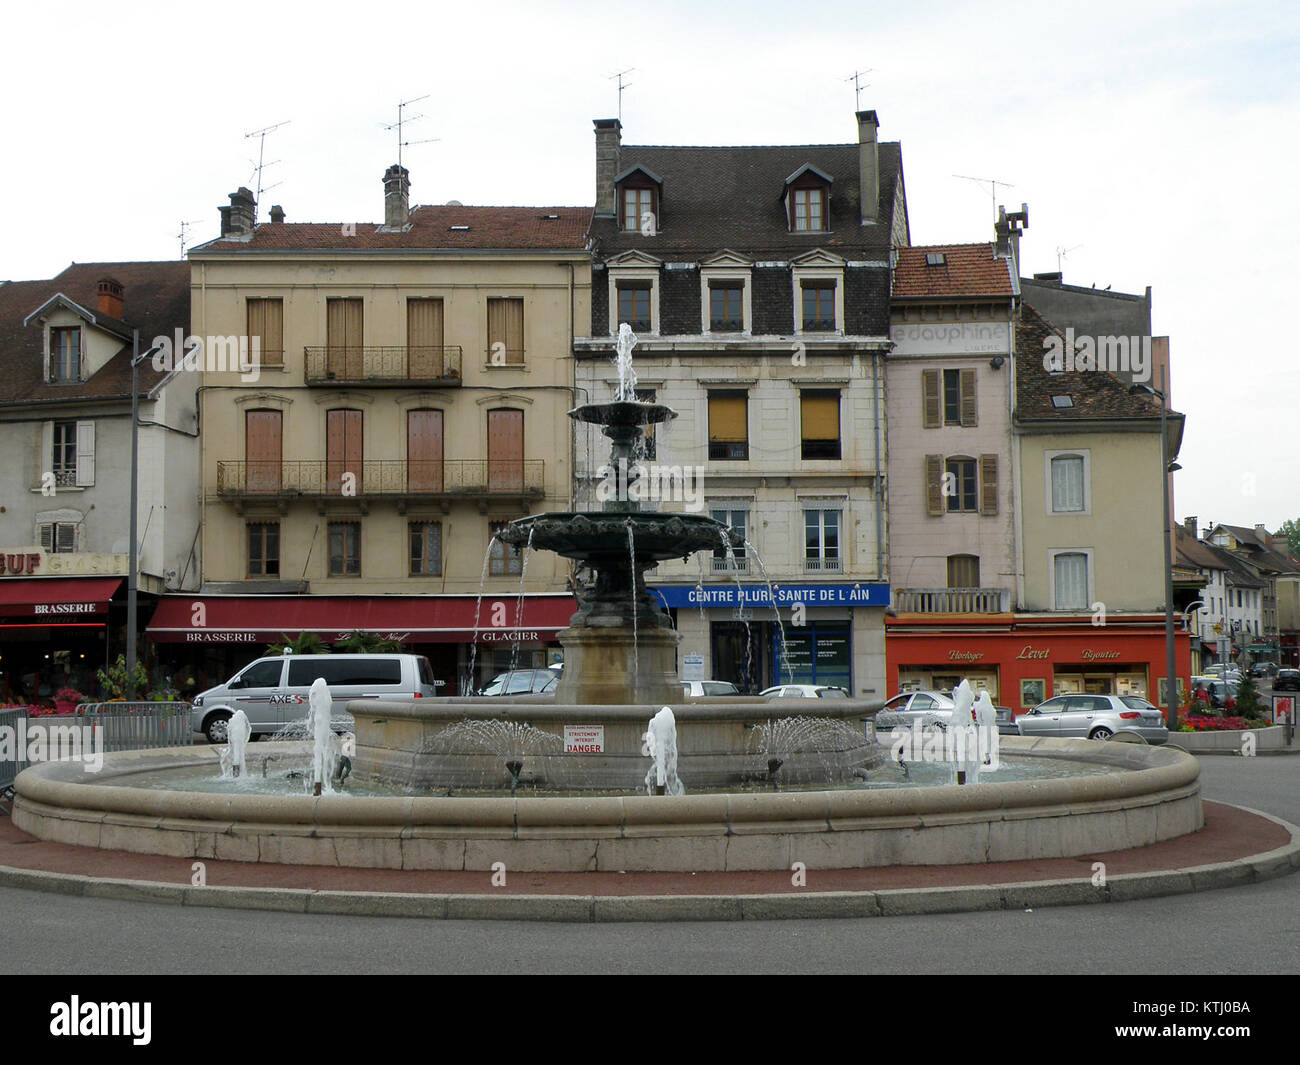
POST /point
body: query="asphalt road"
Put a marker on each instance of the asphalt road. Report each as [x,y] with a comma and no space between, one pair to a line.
[1252,929]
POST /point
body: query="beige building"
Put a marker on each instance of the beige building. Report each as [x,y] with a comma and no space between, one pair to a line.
[401,391]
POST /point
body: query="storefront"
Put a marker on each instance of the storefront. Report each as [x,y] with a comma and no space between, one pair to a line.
[54,634]
[1024,661]
[833,633]
[208,638]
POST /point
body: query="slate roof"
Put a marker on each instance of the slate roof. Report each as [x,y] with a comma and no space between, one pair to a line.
[1240,575]
[490,229]
[969,270]
[1095,394]
[1194,552]
[156,300]
[730,197]
[1261,554]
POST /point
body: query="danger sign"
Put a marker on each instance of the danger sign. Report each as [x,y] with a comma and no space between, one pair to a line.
[584,739]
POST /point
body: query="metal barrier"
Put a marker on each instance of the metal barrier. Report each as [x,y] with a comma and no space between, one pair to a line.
[12,760]
[137,726]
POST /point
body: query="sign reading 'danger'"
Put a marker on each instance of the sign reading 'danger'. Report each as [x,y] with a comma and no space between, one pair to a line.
[584,739]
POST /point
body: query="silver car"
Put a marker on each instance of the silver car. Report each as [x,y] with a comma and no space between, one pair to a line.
[927,707]
[1096,717]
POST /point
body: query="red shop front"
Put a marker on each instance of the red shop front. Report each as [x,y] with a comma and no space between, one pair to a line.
[1022,661]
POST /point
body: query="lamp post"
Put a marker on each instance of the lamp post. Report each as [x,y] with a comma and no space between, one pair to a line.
[133,548]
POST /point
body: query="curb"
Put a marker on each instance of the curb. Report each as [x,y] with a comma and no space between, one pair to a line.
[1254,869]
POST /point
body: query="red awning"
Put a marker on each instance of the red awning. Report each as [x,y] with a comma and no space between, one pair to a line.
[53,600]
[411,619]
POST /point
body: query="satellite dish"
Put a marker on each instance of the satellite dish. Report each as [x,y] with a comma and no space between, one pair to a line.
[454,203]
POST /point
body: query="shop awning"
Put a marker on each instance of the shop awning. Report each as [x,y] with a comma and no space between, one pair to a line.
[237,619]
[56,600]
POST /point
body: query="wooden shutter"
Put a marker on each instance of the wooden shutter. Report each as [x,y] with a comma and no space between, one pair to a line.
[931,409]
[85,453]
[988,484]
[934,485]
[343,448]
[505,451]
[262,439]
[820,415]
[424,334]
[46,534]
[728,419]
[424,451]
[506,326]
[65,537]
[344,324]
[266,322]
[969,415]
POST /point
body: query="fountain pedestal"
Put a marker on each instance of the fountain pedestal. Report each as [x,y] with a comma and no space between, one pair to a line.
[609,665]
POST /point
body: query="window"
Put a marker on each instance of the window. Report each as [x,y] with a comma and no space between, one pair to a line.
[960,485]
[738,520]
[261,675]
[505,332]
[821,541]
[809,209]
[1070,580]
[1067,484]
[263,549]
[634,305]
[728,425]
[65,354]
[343,452]
[424,336]
[726,306]
[65,454]
[819,421]
[963,571]
[504,559]
[647,395]
[344,339]
[58,537]
[637,204]
[262,448]
[948,400]
[68,452]
[426,548]
[266,323]
[505,472]
[818,306]
[345,548]
[424,472]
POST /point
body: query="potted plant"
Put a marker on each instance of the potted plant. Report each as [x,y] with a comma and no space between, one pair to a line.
[114,679]
[66,700]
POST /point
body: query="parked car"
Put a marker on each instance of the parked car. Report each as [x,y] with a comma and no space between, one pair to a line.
[1222,693]
[928,707]
[1006,721]
[1263,670]
[1097,717]
[273,691]
[1287,680]
[522,682]
[804,691]
[1220,670]
[699,688]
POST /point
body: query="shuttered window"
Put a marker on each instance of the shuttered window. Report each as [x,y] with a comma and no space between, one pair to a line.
[424,451]
[505,332]
[262,440]
[424,338]
[344,337]
[930,410]
[426,548]
[934,501]
[728,425]
[343,451]
[1070,577]
[266,323]
[963,571]
[959,406]
[63,453]
[961,488]
[988,484]
[819,420]
[1067,484]
[505,451]
[57,537]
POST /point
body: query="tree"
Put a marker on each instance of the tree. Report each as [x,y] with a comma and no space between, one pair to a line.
[1248,704]
[1291,530]
[305,643]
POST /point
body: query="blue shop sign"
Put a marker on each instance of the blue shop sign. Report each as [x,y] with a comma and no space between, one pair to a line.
[756,595]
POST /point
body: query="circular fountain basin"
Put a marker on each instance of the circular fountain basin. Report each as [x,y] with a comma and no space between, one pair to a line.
[598,534]
[1152,794]
[622,413]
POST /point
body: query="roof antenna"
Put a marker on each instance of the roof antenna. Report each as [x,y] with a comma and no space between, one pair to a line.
[993,183]
[1061,254]
[404,119]
[857,89]
[182,235]
[260,134]
[621,86]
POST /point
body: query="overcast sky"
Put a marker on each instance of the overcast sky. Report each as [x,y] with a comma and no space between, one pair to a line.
[1155,143]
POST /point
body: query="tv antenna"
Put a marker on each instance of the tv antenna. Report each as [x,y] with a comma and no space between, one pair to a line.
[183,234]
[1061,254]
[260,134]
[993,184]
[621,86]
[857,88]
[404,119]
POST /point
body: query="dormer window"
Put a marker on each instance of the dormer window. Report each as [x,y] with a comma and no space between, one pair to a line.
[809,209]
[638,201]
[638,209]
[65,354]
[807,200]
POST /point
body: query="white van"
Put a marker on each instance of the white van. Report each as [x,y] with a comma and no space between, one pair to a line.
[274,691]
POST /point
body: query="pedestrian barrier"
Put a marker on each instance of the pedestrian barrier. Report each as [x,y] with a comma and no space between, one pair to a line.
[138,726]
[12,760]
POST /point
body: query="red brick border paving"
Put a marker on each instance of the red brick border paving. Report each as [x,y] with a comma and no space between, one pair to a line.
[1230,833]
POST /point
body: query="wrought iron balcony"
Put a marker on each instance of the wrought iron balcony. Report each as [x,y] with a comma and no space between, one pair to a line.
[823,565]
[953,600]
[393,478]
[385,367]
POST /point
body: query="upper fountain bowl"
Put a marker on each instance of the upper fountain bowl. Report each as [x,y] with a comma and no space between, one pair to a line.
[622,412]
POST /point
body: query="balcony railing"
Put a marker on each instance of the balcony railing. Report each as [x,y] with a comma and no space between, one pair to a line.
[740,564]
[953,600]
[388,367]
[823,565]
[316,479]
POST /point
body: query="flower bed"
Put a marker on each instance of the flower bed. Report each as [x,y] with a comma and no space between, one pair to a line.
[1217,723]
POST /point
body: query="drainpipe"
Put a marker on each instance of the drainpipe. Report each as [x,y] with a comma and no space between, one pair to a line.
[880,494]
[1017,508]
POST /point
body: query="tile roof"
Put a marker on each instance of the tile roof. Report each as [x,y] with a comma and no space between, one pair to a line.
[1194,552]
[156,301]
[731,197]
[1094,394]
[1240,575]
[490,229]
[968,270]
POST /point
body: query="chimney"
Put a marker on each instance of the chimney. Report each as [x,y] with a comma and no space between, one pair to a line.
[868,167]
[109,297]
[1052,277]
[1261,534]
[1002,236]
[277,214]
[237,219]
[1017,222]
[609,141]
[1190,525]
[397,197]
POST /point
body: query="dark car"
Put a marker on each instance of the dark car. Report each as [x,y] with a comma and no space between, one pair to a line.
[1287,680]
[522,682]
[1263,669]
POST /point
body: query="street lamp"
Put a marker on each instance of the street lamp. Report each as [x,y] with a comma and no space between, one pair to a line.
[1166,468]
[133,548]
